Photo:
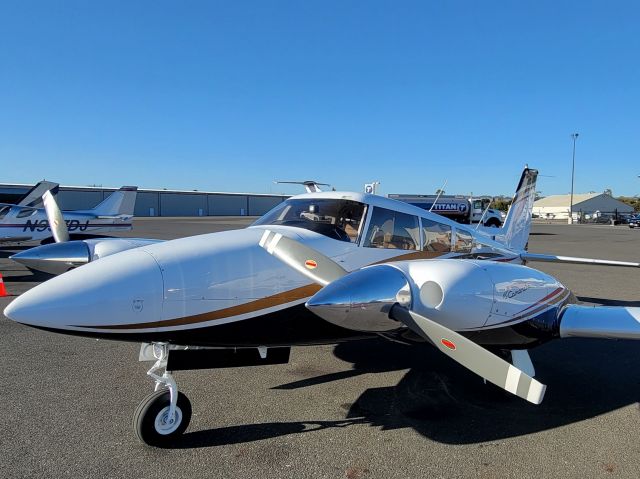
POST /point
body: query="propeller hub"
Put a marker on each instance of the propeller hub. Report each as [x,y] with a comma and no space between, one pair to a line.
[363,299]
[54,258]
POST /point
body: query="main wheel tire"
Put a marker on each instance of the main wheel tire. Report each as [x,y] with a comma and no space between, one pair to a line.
[492,223]
[151,421]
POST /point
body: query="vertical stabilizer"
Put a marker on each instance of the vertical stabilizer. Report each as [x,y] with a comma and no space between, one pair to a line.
[121,202]
[517,225]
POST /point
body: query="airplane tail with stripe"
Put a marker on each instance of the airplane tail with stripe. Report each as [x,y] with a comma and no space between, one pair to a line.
[517,225]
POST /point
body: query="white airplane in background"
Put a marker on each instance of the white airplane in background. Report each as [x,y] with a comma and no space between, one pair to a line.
[25,223]
[321,268]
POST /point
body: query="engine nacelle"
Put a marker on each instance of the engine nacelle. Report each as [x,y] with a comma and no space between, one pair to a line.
[459,294]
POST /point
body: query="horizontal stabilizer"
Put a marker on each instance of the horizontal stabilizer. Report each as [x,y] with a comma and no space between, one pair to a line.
[310,186]
[549,258]
[608,322]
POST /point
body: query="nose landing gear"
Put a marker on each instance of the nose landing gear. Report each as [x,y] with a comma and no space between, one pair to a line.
[165,414]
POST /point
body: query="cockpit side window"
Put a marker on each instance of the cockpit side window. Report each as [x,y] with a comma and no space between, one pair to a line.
[4,210]
[26,212]
[393,230]
[436,236]
[336,218]
[464,242]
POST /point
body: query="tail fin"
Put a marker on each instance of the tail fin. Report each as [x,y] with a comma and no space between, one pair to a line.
[121,202]
[33,197]
[517,225]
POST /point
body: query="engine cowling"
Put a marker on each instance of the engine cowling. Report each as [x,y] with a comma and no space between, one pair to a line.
[459,294]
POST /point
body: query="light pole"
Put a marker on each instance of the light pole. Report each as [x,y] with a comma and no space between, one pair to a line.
[573,168]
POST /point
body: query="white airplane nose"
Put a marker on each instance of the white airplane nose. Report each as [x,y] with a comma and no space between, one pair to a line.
[115,292]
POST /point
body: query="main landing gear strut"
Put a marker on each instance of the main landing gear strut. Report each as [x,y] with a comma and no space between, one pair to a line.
[165,414]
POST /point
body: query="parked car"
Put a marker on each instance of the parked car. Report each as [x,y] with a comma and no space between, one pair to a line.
[634,221]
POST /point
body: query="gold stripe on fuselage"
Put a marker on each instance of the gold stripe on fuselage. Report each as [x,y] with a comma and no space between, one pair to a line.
[250,307]
[257,305]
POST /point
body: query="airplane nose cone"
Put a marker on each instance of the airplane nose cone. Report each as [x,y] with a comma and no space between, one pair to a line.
[115,292]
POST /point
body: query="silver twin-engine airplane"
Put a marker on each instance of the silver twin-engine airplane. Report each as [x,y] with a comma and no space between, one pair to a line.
[20,223]
[322,268]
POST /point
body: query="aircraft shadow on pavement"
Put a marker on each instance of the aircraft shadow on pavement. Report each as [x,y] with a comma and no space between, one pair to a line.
[29,277]
[445,402]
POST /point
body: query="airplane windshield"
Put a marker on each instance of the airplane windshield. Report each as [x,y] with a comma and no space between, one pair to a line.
[335,218]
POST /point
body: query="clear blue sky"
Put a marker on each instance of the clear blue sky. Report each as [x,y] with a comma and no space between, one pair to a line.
[229,96]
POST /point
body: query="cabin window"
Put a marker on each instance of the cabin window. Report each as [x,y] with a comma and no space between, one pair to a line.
[464,242]
[336,218]
[3,211]
[393,230]
[26,212]
[436,236]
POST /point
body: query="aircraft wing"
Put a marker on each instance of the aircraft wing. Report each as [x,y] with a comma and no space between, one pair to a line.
[549,258]
[33,197]
[13,239]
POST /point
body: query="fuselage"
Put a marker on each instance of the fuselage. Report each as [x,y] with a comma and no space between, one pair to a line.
[22,223]
[224,289]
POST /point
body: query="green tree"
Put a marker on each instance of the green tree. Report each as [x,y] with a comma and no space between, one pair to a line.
[632,201]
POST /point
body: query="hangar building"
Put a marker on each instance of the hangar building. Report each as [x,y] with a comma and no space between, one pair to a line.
[557,206]
[160,202]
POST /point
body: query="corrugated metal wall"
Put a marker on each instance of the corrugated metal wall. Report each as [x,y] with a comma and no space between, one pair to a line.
[147,204]
[259,205]
[182,204]
[162,202]
[228,205]
[80,199]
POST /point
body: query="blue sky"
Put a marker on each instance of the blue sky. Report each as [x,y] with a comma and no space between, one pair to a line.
[229,96]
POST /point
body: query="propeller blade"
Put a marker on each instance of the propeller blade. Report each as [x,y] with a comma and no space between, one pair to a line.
[473,356]
[55,218]
[314,265]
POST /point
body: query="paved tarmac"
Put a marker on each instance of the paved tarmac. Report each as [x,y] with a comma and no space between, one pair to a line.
[371,409]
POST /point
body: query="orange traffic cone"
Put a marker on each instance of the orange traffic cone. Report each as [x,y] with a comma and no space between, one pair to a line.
[3,290]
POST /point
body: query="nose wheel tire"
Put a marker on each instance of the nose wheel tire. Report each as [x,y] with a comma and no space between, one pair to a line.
[152,423]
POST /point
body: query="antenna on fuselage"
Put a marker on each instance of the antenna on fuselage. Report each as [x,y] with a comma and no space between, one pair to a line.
[439,194]
[310,185]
